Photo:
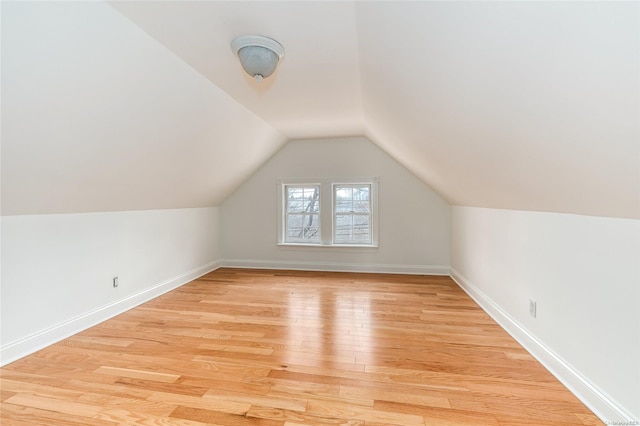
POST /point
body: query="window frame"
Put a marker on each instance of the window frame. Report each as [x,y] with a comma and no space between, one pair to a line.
[327,217]
[335,213]
[287,213]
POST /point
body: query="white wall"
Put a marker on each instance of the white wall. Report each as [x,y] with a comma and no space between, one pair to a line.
[584,273]
[57,270]
[414,222]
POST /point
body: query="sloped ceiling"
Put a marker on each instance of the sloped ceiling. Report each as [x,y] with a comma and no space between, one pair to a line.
[515,105]
[518,105]
[316,90]
[98,116]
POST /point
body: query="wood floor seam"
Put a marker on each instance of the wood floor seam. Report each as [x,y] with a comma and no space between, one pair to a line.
[292,348]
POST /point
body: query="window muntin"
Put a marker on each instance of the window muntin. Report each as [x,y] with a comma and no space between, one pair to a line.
[302,214]
[352,222]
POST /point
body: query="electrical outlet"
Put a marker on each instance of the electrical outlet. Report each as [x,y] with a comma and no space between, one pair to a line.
[115,282]
[532,308]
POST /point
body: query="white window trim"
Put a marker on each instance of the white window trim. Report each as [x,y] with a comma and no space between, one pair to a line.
[334,213]
[327,213]
[285,213]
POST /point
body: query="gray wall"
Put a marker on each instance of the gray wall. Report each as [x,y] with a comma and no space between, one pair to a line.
[414,222]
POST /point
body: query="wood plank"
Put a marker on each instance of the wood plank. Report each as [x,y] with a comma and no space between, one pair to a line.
[275,348]
[138,374]
[64,406]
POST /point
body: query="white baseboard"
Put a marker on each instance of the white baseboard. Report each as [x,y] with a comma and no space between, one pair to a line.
[36,341]
[602,405]
[337,267]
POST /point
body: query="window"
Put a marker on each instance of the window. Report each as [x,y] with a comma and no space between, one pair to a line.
[302,214]
[327,213]
[352,214]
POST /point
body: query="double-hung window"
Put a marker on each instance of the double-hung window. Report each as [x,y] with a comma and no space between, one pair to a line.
[302,214]
[352,214]
[328,213]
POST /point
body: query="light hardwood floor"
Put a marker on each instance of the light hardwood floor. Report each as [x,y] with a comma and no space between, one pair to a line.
[257,347]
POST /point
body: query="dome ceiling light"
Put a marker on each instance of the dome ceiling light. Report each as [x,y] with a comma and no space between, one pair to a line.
[258,55]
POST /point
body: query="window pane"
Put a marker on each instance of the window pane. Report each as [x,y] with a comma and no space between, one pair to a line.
[301,192]
[355,193]
[295,206]
[309,193]
[361,206]
[312,205]
[343,193]
[294,225]
[353,229]
[344,206]
[294,193]
[361,193]
[303,198]
[361,229]
[311,232]
[344,228]
[303,228]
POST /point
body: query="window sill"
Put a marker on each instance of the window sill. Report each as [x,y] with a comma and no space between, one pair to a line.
[323,247]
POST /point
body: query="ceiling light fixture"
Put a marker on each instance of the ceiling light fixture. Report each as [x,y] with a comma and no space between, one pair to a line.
[258,55]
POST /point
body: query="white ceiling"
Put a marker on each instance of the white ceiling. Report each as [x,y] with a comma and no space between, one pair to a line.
[517,105]
[521,105]
[97,116]
[316,91]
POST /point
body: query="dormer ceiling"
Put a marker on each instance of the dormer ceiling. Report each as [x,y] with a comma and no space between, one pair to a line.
[515,105]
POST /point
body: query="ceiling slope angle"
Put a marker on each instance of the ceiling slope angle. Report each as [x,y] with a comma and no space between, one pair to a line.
[314,92]
[98,116]
[512,105]
[528,106]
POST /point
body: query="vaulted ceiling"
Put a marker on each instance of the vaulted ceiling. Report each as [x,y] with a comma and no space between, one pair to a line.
[143,105]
